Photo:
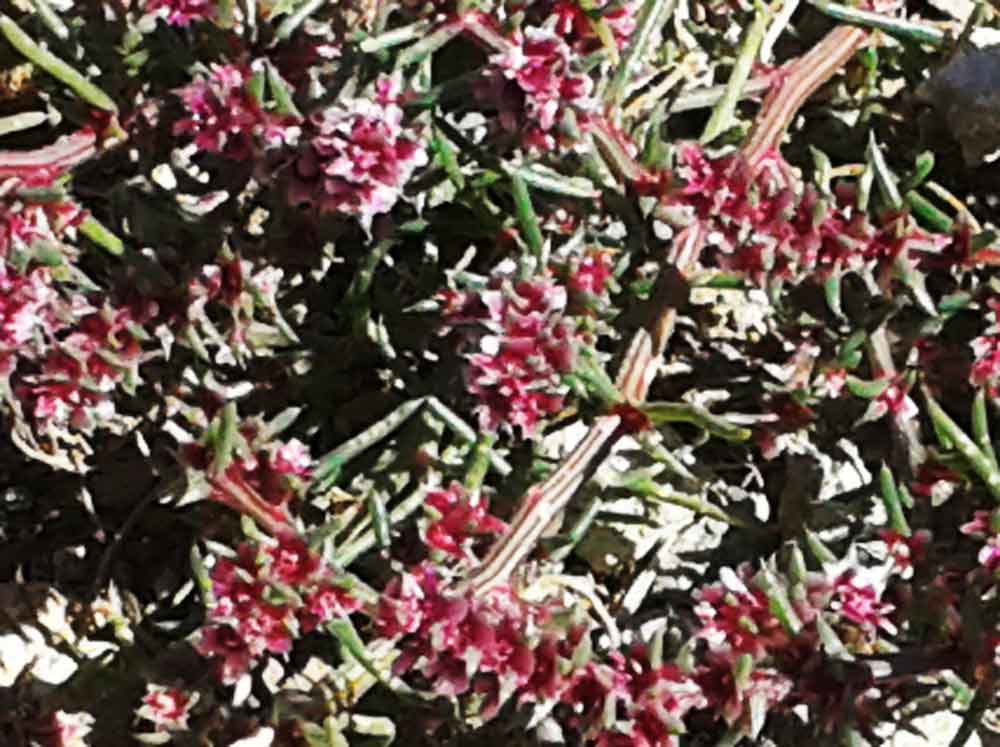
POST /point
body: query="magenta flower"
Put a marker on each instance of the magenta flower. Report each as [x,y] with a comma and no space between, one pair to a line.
[763,221]
[225,645]
[525,346]
[739,620]
[293,458]
[986,349]
[859,604]
[167,708]
[359,157]
[263,598]
[575,24]
[984,526]
[591,275]
[451,639]
[458,521]
[63,729]
[292,562]
[538,64]
[225,118]
[894,400]
[906,551]
[182,12]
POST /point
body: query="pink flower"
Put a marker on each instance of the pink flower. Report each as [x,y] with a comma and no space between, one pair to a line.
[292,562]
[659,699]
[539,63]
[764,222]
[182,12]
[359,157]
[527,346]
[933,478]
[574,24]
[67,729]
[831,383]
[458,521]
[263,599]
[739,620]
[450,638]
[225,118]
[167,707]
[325,604]
[591,275]
[986,349]
[293,458]
[894,400]
[986,526]
[906,551]
[224,643]
[858,604]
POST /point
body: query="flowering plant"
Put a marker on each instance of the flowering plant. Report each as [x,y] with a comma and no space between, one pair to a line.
[583,372]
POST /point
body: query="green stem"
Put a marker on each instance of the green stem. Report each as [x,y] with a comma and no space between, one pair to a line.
[652,16]
[329,466]
[479,462]
[51,19]
[722,115]
[979,461]
[465,432]
[54,66]
[22,121]
[358,547]
[681,412]
[981,427]
[646,487]
[94,230]
[526,216]
[902,30]
[293,21]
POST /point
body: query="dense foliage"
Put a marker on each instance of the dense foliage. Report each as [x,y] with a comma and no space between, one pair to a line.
[587,372]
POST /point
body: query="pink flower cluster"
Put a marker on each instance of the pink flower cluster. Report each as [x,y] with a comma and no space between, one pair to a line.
[986,349]
[263,599]
[168,708]
[540,85]
[499,647]
[525,344]
[755,656]
[457,521]
[359,157]
[750,654]
[765,222]
[986,526]
[651,700]
[224,116]
[182,12]
[233,288]
[61,355]
[460,643]
[63,729]
[576,24]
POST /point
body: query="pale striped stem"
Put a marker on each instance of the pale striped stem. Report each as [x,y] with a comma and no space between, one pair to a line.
[803,76]
[544,501]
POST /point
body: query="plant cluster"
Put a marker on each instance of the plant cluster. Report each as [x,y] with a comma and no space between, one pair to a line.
[586,372]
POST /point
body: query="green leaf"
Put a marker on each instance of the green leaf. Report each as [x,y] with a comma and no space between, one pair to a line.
[348,637]
[884,178]
[866,389]
[54,66]
[651,17]
[225,439]
[891,499]
[527,218]
[722,117]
